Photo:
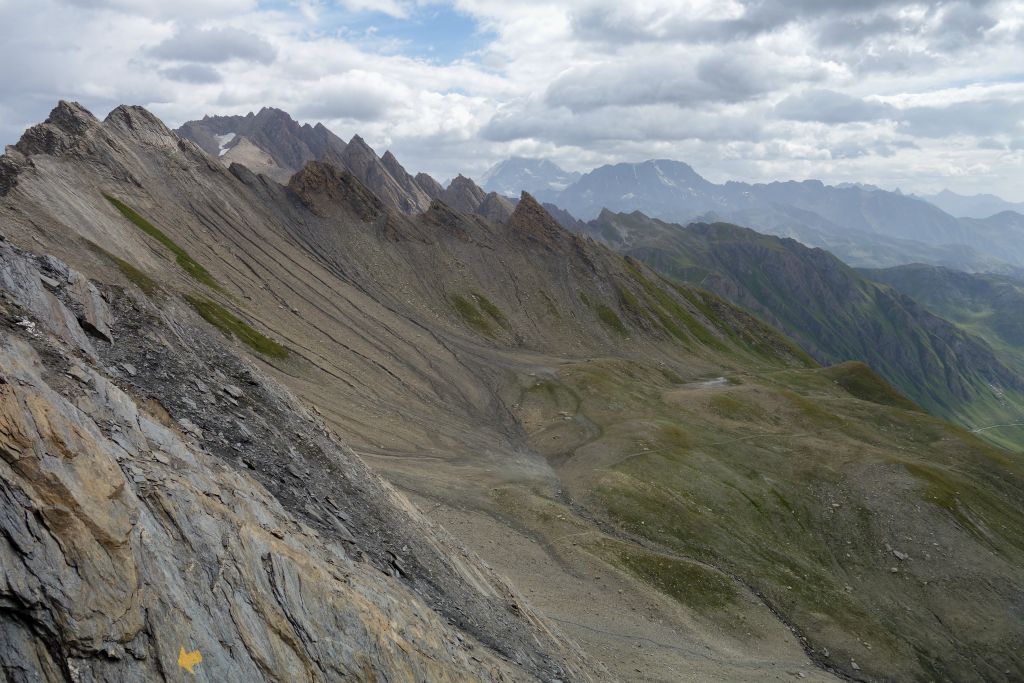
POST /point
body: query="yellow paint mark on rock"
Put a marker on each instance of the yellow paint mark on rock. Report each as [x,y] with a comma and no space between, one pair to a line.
[188,660]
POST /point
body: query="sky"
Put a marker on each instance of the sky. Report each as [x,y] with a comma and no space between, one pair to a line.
[920,96]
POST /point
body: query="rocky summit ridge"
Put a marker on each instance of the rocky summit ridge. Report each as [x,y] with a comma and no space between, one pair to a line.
[273,143]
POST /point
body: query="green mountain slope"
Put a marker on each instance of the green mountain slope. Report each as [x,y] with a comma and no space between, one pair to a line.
[989,306]
[833,312]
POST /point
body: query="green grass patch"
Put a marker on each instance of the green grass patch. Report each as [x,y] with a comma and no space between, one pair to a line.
[812,413]
[611,319]
[186,262]
[670,312]
[735,408]
[233,326]
[488,307]
[144,282]
[631,305]
[862,382]
[471,315]
[940,488]
[689,583]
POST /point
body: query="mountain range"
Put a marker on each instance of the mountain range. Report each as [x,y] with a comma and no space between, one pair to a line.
[863,225]
[303,430]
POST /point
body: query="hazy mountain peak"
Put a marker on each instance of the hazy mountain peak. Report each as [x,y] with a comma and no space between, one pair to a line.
[971,206]
[516,174]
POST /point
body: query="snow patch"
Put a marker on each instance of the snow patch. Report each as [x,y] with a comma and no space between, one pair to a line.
[223,141]
[665,180]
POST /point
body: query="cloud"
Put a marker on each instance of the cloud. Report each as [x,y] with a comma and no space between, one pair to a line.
[671,78]
[618,123]
[190,10]
[853,31]
[200,74]
[393,8]
[214,46]
[854,149]
[962,25]
[982,118]
[357,95]
[663,21]
[828,106]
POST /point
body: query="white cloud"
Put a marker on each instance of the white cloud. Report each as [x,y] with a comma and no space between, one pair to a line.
[214,45]
[392,8]
[874,90]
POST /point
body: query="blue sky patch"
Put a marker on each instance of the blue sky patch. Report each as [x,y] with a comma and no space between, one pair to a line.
[435,33]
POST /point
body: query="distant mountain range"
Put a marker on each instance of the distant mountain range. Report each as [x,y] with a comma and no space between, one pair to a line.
[975,206]
[862,224]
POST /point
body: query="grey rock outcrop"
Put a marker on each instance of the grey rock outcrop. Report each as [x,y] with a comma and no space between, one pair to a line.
[402,194]
[463,195]
[496,208]
[431,187]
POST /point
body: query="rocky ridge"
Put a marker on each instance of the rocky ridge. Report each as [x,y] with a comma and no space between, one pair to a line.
[289,144]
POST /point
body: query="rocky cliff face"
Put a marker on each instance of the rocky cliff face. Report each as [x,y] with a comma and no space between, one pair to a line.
[401,193]
[274,144]
[431,187]
[531,221]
